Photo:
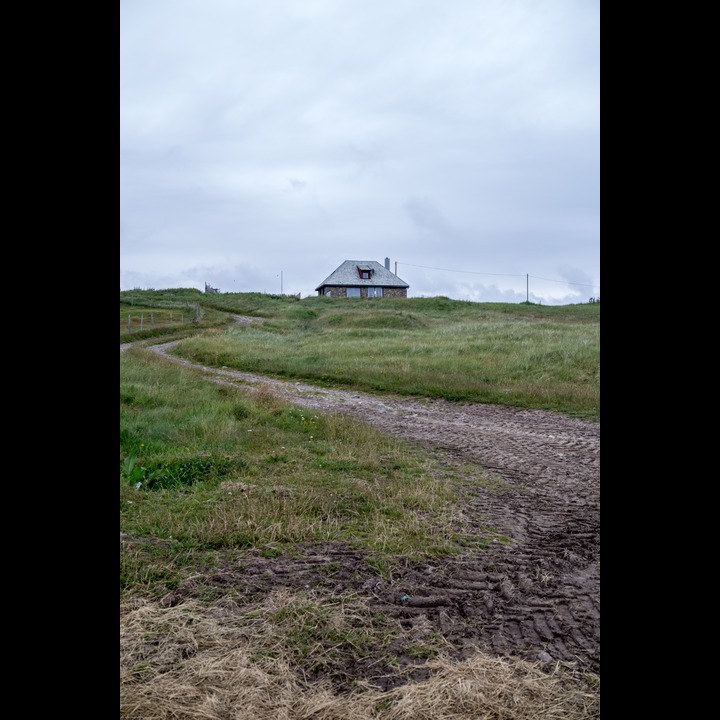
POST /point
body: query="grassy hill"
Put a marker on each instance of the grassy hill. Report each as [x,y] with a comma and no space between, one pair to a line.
[212,478]
[545,357]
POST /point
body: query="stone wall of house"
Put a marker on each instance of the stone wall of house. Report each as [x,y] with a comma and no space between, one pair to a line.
[336,291]
[394,292]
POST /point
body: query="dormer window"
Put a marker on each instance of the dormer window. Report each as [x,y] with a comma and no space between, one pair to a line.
[365,273]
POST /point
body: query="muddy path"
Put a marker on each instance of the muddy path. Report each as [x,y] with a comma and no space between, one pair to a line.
[539,596]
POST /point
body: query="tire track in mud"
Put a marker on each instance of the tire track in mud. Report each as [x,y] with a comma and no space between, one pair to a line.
[537,597]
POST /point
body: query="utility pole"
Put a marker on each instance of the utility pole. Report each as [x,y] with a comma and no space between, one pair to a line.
[527,288]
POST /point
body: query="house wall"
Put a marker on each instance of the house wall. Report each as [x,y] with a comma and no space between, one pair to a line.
[338,291]
[394,292]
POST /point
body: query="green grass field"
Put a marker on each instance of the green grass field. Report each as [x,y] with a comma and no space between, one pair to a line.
[209,474]
[545,357]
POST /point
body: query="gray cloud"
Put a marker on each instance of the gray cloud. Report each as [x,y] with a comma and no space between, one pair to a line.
[266,137]
[427,218]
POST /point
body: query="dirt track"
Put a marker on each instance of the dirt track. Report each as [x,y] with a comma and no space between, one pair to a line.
[537,598]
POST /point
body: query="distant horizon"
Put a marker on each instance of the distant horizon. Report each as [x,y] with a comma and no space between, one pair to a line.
[220,291]
[527,277]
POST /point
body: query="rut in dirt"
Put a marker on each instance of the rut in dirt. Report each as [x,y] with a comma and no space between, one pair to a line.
[537,597]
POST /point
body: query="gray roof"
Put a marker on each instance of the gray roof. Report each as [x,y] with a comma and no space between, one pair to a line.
[347,275]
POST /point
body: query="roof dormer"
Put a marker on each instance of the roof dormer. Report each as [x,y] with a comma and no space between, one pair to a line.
[365,272]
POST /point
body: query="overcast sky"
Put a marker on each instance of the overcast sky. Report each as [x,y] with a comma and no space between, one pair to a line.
[264,142]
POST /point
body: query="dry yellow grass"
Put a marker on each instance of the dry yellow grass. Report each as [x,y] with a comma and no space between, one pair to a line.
[209,662]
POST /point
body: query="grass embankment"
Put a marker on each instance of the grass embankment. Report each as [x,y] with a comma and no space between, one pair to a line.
[521,355]
[209,474]
[213,468]
[146,314]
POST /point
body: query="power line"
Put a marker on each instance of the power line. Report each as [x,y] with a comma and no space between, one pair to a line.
[563,282]
[427,267]
[471,272]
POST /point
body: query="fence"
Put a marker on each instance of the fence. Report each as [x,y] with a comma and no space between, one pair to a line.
[157,320]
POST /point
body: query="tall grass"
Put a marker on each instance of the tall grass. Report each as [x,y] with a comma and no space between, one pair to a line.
[207,468]
[210,474]
[526,356]
[152,315]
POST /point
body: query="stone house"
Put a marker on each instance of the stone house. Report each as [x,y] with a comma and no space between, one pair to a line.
[363,278]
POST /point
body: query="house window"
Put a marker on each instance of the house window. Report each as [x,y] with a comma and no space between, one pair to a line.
[353,292]
[365,274]
[374,292]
